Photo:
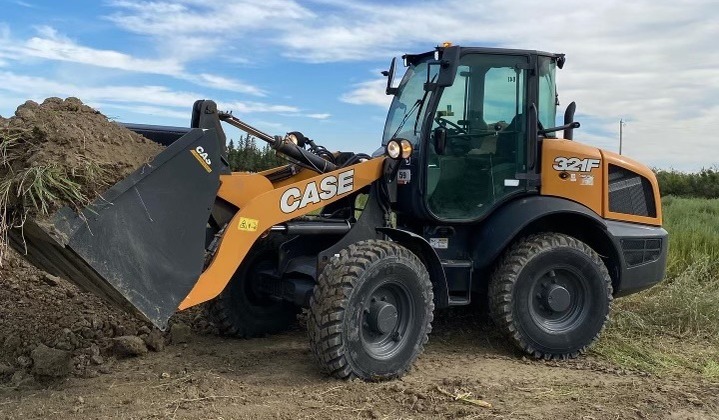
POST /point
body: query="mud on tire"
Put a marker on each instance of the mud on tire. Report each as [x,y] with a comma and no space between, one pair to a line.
[551,295]
[371,312]
[241,310]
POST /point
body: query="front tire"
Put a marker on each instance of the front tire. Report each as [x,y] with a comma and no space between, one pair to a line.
[371,312]
[551,295]
[242,310]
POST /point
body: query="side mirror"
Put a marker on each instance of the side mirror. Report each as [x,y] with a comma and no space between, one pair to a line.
[439,137]
[568,120]
[389,74]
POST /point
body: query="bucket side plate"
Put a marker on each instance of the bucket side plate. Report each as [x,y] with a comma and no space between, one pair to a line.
[141,245]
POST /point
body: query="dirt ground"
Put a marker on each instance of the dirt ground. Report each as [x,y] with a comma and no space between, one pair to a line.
[275,377]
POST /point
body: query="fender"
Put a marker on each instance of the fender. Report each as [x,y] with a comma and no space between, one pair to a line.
[504,224]
[420,247]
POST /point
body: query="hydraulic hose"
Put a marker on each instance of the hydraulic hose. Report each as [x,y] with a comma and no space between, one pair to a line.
[290,149]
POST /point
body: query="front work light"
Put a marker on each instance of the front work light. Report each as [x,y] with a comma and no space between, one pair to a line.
[394,150]
[406,148]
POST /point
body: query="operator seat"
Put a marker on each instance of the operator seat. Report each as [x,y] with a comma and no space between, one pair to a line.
[504,161]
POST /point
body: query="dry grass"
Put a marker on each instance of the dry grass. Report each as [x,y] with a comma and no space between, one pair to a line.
[674,327]
[37,190]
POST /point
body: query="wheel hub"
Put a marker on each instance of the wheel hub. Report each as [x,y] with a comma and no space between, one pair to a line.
[382,317]
[557,298]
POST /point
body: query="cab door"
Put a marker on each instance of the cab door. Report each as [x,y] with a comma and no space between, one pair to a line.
[483,119]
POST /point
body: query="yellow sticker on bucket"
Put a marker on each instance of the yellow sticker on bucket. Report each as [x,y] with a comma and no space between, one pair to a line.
[247,224]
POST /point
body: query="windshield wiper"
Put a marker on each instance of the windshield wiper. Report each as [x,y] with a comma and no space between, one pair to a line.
[406,116]
[417,105]
[421,105]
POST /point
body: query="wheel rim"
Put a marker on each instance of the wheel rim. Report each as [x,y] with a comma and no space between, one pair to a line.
[560,299]
[386,320]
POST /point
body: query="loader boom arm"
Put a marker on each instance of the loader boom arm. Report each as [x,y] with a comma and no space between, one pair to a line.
[268,208]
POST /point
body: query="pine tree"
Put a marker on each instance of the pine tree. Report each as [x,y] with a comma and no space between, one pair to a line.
[247,157]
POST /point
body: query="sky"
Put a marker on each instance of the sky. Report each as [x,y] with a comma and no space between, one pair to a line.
[314,65]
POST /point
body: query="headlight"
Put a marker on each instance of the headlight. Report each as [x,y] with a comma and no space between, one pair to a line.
[406,148]
[394,150]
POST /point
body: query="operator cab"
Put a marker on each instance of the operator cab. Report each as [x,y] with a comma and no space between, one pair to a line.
[473,115]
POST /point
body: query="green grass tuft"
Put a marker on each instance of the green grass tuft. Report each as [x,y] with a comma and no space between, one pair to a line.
[38,190]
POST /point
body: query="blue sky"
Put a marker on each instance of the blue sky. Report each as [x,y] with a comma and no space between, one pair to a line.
[314,65]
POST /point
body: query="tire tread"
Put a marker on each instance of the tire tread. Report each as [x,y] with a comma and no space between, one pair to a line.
[507,273]
[331,296]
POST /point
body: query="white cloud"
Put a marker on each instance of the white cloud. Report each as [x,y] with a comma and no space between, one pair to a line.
[42,88]
[196,28]
[158,100]
[224,83]
[649,62]
[318,116]
[368,93]
[147,110]
[25,4]
[250,107]
[162,18]
[50,45]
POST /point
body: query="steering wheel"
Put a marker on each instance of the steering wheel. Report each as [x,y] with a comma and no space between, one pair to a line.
[444,123]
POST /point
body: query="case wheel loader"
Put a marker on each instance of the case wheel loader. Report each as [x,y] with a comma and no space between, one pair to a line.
[471,194]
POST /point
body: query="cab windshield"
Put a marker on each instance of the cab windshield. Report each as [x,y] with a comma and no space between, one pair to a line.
[409,105]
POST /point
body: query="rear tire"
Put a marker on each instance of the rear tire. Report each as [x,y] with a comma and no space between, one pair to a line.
[371,312]
[241,310]
[551,295]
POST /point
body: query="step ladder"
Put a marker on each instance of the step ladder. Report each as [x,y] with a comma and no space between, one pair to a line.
[459,280]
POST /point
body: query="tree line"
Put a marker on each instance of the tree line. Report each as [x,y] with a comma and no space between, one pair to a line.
[702,184]
[245,155]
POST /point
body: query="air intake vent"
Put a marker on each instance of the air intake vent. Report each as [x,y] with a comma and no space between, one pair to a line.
[640,251]
[630,193]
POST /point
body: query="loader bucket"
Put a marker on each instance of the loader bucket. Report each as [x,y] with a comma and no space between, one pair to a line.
[141,244]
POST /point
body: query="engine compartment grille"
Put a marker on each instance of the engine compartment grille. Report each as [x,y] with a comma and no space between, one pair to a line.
[630,193]
[640,251]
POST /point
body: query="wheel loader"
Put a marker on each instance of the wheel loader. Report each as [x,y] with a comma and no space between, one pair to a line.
[471,197]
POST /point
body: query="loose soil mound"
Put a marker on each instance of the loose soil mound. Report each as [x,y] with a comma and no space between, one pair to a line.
[62,152]
[40,309]
[46,321]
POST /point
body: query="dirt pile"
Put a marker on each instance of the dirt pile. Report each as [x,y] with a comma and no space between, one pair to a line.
[62,152]
[54,154]
[49,328]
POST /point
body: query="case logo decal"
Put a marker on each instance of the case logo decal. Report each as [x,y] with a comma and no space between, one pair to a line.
[202,157]
[330,186]
[574,164]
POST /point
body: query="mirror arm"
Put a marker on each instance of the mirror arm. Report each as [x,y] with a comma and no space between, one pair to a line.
[571,125]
